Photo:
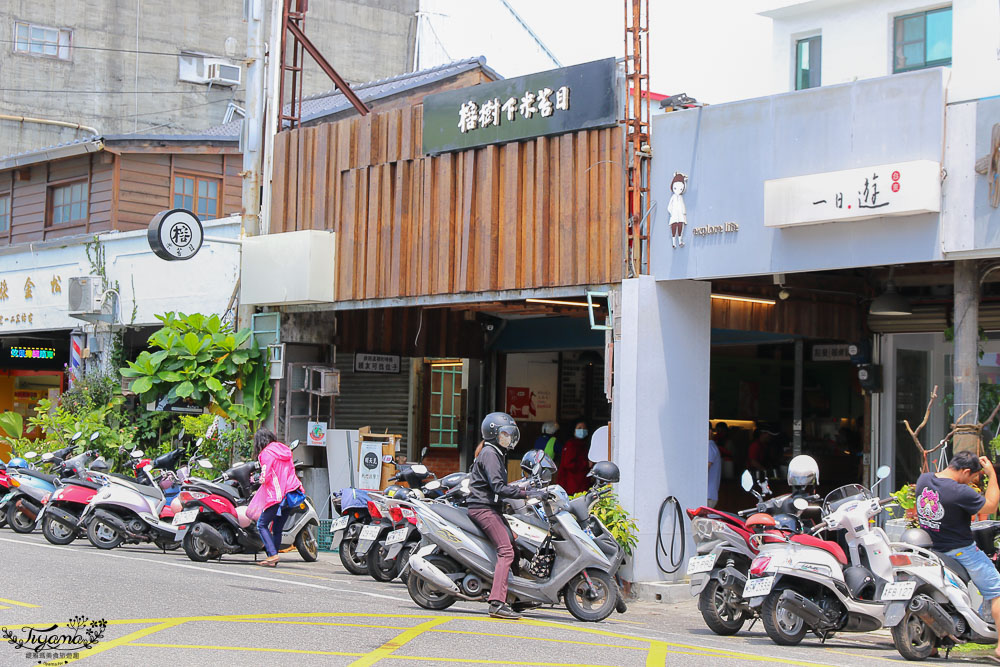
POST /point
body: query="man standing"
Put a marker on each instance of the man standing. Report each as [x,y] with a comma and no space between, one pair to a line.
[714,468]
[945,505]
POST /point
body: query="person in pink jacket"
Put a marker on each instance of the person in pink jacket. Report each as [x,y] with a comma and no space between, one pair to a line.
[277,475]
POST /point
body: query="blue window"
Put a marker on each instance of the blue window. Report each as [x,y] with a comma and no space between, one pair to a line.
[922,40]
[808,63]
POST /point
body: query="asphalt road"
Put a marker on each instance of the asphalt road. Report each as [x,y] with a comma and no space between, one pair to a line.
[163,609]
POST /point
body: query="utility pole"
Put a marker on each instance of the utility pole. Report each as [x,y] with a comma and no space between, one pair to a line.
[254,121]
[966,357]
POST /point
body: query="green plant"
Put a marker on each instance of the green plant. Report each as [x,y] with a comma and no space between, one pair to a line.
[12,432]
[617,519]
[201,361]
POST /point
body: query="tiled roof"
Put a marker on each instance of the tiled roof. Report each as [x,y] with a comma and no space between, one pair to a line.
[28,157]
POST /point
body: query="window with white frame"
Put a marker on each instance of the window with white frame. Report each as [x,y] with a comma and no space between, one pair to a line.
[40,40]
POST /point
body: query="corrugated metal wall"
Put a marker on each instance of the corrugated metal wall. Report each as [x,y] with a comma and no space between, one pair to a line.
[381,401]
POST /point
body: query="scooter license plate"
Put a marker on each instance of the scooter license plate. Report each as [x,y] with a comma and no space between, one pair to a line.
[396,536]
[370,532]
[757,587]
[339,524]
[187,516]
[899,590]
[701,564]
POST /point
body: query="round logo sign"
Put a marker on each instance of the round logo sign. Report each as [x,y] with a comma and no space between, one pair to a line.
[371,460]
[175,234]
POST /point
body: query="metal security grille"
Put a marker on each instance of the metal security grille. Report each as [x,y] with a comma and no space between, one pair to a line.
[446,397]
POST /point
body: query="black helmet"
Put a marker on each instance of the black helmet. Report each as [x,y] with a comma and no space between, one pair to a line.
[605,471]
[788,522]
[537,463]
[499,428]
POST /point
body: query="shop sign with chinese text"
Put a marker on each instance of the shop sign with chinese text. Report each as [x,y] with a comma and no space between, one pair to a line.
[376,363]
[553,102]
[901,188]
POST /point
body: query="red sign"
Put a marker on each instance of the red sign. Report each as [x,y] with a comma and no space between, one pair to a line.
[519,403]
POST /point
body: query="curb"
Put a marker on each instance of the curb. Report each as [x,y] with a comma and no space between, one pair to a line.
[662,591]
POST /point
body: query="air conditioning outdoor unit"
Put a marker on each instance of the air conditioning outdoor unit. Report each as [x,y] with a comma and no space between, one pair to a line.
[224,75]
[84,294]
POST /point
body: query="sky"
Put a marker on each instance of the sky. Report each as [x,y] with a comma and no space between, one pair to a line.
[715,51]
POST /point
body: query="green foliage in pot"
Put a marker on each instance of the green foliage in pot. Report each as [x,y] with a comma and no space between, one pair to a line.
[203,362]
[623,528]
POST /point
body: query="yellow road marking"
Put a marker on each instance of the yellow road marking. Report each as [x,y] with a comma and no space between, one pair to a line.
[246,648]
[540,639]
[346,625]
[872,657]
[19,604]
[2,607]
[657,656]
[398,641]
[108,645]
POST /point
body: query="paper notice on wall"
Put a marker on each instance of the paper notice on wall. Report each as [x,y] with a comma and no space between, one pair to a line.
[532,381]
[370,464]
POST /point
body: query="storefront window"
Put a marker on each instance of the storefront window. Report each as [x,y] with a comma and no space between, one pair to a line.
[446,403]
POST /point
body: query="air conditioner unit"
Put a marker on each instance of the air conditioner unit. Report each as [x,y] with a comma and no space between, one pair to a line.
[223,74]
[84,294]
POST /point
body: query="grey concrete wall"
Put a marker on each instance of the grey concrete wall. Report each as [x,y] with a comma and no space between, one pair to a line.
[363,40]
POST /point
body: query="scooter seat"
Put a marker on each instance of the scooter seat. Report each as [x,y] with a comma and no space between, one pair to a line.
[832,547]
[460,517]
[45,477]
[954,566]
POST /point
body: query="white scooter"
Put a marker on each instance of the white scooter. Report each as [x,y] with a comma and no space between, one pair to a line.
[941,607]
[801,583]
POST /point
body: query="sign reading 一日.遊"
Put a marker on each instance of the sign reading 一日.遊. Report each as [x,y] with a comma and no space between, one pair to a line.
[901,188]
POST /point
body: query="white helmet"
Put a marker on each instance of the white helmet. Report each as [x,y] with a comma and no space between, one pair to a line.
[803,471]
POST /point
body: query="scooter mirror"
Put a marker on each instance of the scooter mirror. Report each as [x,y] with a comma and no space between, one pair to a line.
[29,455]
[800,504]
[205,463]
[423,453]
[95,435]
[433,485]
[197,443]
[77,436]
[136,453]
[419,469]
[746,481]
[882,472]
[180,436]
[48,456]
[295,443]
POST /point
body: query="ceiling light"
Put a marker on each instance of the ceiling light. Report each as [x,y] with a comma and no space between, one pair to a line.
[890,302]
[561,303]
[744,299]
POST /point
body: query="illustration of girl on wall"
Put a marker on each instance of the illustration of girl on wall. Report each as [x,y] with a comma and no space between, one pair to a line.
[677,210]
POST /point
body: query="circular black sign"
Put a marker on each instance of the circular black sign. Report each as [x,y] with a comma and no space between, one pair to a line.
[371,461]
[175,234]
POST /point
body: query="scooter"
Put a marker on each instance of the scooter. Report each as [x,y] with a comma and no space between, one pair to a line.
[354,514]
[81,478]
[28,486]
[802,583]
[128,512]
[722,541]
[457,561]
[935,604]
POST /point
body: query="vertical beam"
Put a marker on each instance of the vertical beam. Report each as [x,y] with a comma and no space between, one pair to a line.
[966,366]
[797,401]
[253,123]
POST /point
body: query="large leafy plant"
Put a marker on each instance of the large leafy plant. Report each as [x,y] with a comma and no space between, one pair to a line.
[621,524]
[203,362]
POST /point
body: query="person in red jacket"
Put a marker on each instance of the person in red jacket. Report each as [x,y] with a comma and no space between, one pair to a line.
[575,464]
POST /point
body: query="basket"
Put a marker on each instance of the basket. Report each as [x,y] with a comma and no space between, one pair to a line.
[323,535]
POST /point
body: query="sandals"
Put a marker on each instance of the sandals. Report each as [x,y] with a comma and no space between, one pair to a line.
[269,562]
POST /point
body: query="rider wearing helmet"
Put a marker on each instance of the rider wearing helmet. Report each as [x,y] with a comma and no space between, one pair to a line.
[487,486]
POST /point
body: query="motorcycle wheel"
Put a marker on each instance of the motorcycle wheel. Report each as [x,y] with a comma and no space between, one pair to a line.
[424,594]
[590,606]
[782,626]
[18,521]
[103,536]
[349,558]
[378,567]
[57,532]
[720,607]
[913,639]
[198,550]
[306,543]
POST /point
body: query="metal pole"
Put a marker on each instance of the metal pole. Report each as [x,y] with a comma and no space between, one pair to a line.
[253,123]
[966,322]
[797,401]
[272,108]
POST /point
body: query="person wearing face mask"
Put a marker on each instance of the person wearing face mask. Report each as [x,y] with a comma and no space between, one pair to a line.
[574,465]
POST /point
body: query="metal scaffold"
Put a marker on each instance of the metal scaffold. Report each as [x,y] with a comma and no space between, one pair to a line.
[637,135]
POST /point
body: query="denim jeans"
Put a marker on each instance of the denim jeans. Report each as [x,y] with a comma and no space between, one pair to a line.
[983,572]
[271,538]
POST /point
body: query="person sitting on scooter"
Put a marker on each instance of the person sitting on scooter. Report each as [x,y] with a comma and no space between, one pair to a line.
[487,486]
[945,505]
[277,479]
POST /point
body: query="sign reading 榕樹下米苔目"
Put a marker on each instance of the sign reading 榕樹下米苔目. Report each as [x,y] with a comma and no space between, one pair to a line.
[553,102]
[901,188]
[176,234]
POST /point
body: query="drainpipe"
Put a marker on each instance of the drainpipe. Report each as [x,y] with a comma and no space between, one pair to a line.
[46,121]
[252,124]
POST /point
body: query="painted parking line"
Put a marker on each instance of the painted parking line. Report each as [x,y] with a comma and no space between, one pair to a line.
[18,604]
[248,649]
[120,641]
[397,642]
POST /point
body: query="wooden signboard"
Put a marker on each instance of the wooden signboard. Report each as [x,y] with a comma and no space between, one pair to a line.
[366,443]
